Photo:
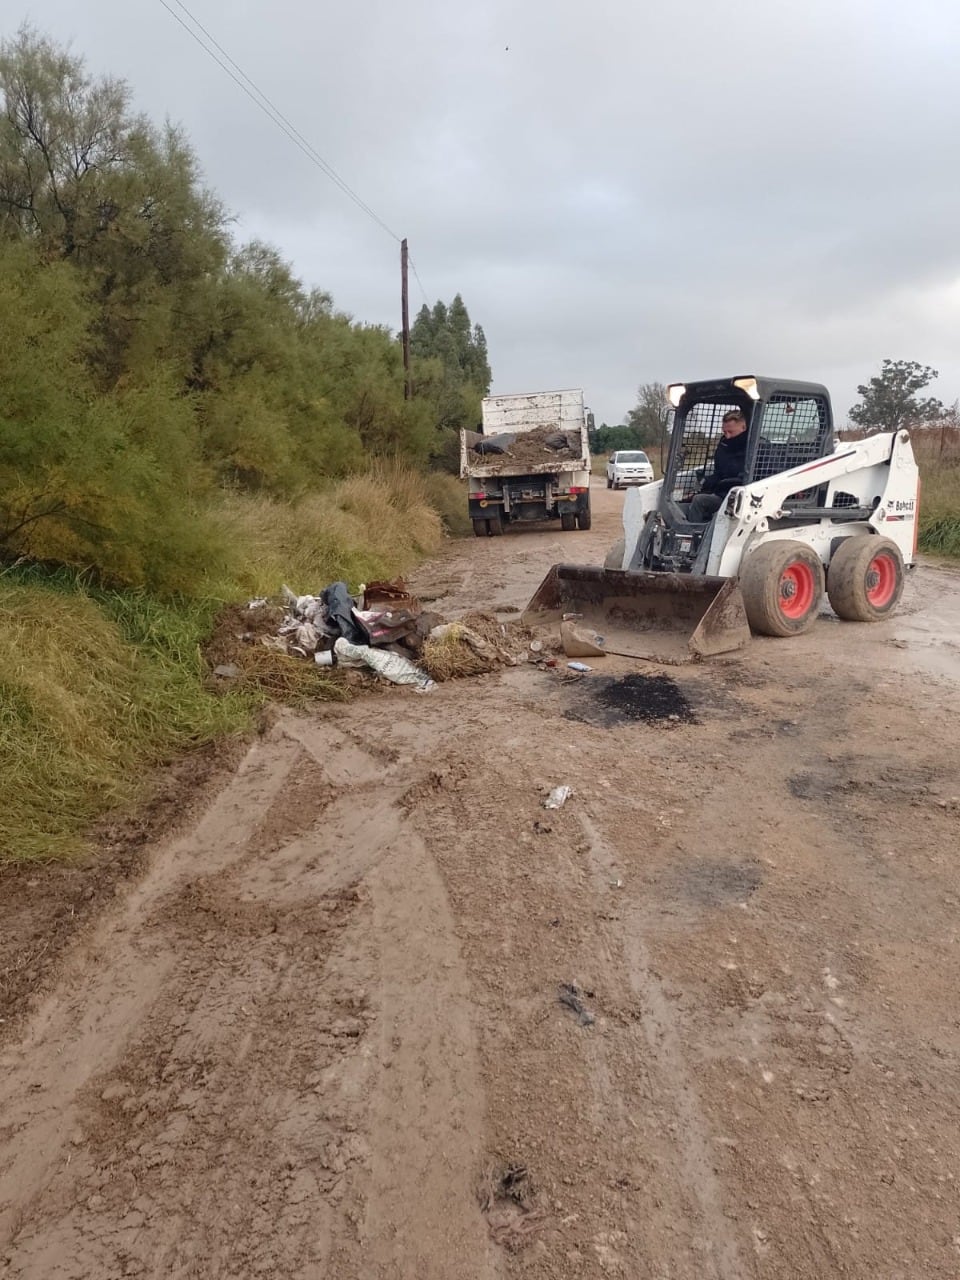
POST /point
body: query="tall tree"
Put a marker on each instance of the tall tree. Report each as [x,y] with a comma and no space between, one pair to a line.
[445,333]
[451,372]
[650,418]
[892,400]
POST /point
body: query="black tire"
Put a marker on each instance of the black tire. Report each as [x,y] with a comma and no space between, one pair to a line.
[865,578]
[782,585]
[614,557]
[480,528]
[495,525]
[583,519]
[568,521]
[609,483]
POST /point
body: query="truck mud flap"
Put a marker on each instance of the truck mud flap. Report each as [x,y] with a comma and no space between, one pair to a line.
[664,617]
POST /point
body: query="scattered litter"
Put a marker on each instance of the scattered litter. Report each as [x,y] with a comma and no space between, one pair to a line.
[542,828]
[536,646]
[392,666]
[570,995]
[393,594]
[616,884]
[579,666]
[558,797]
[511,1207]
[384,629]
[340,617]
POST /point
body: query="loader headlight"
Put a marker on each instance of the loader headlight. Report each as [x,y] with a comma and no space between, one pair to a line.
[675,393]
[749,385]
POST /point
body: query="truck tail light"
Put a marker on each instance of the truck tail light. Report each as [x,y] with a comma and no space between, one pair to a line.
[577,489]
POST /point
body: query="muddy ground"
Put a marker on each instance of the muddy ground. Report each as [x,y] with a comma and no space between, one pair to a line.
[372,1011]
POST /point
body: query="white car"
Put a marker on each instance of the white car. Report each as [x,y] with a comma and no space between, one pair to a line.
[628,466]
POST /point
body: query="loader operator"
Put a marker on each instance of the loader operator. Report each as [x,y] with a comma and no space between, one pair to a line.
[729,462]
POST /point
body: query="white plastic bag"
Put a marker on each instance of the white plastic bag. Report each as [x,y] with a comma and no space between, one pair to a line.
[558,797]
[389,665]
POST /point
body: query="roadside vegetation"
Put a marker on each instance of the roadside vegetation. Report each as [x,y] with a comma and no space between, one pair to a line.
[99,685]
[938,453]
[184,425]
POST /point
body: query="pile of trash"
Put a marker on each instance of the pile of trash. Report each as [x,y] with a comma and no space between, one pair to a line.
[382,628]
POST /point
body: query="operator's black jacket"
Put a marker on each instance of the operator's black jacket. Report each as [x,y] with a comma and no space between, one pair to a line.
[729,463]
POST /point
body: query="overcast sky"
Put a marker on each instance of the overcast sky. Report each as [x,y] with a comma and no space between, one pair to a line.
[622,190]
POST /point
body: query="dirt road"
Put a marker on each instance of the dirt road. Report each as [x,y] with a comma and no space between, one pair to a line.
[321,1034]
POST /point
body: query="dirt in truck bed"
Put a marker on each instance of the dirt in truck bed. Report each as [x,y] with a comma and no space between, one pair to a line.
[370,1010]
[531,449]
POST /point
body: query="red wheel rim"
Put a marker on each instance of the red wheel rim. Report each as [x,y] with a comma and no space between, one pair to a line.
[797,590]
[881,580]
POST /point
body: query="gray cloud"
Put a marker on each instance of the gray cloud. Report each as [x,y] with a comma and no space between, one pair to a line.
[622,192]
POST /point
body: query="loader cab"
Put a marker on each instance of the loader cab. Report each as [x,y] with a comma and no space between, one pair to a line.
[788,423]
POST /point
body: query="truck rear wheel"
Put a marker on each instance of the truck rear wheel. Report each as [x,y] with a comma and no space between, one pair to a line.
[568,521]
[480,528]
[583,519]
[495,524]
[865,578]
[782,586]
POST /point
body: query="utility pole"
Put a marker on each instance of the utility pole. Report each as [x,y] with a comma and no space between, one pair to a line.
[405,307]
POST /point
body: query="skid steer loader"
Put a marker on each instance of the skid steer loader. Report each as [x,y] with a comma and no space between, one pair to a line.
[810,515]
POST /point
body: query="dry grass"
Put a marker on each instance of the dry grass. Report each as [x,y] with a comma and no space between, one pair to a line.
[368,526]
[98,686]
[284,678]
[938,453]
[477,644]
[453,655]
[84,710]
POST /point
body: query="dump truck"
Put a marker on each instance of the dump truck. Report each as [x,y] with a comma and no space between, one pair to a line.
[530,460]
[806,515]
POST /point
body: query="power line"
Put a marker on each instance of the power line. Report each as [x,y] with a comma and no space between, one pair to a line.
[272,112]
[416,276]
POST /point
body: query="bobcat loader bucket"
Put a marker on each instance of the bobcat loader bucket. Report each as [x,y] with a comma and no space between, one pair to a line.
[666,617]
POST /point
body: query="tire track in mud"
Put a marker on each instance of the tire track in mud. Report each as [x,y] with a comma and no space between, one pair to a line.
[64,1039]
[670,1074]
[228,1110]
